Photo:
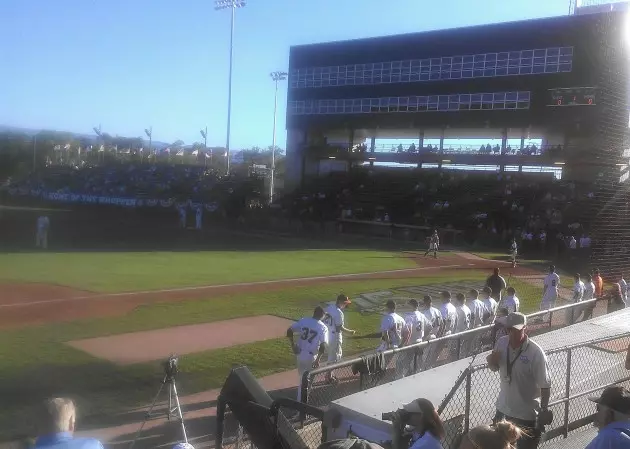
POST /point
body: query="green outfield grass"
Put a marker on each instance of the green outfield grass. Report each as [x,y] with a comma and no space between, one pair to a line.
[128,271]
[35,362]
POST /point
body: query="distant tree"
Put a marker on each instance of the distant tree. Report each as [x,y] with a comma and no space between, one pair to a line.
[177,144]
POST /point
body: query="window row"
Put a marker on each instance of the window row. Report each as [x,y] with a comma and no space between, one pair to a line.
[446,103]
[523,62]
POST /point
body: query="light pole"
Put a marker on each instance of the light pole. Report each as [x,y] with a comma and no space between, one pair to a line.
[204,134]
[219,5]
[99,139]
[149,132]
[34,152]
[276,77]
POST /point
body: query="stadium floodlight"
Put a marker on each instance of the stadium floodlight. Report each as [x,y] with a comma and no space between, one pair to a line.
[276,77]
[220,5]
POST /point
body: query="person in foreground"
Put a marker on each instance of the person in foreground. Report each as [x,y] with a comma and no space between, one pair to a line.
[612,419]
[525,384]
[501,435]
[55,427]
[425,422]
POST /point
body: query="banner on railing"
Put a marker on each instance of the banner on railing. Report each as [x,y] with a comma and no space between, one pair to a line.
[111,200]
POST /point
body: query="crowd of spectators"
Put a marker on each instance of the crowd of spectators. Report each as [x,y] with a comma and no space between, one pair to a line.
[158,181]
[536,209]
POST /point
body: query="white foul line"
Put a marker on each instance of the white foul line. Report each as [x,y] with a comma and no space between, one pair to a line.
[211,287]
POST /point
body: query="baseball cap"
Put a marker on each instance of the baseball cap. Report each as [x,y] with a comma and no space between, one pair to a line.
[615,398]
[427,299]
[417,406]
[514,320]
[349,443]
[343,299]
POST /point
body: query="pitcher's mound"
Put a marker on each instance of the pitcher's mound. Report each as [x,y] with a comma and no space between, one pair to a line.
[126,349]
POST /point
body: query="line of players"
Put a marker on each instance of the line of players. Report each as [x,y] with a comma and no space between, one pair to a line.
[312,337]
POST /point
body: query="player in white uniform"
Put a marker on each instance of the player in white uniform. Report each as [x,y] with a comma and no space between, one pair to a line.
[490,303]
[392,326]
[511,303]
[182,217]
[513,252]
[416,328]
[334,319]
[578,296]
[312,339]
[433,315]
[41,237]
[198,217]
[449,324]
[478,310]
[623,286]
[434,244]
[461,347]
[551,283]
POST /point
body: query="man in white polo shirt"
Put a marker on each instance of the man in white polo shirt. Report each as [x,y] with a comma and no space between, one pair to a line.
[525,383]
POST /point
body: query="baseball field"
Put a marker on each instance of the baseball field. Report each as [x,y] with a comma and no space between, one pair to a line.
[96,326]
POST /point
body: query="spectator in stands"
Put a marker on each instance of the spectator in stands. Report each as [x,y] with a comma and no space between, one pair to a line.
[427,426]
[56,425]
[497,284]
[525,382]
[501,435]
[612,419]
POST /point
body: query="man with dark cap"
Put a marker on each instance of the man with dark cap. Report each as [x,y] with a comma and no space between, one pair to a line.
[612,419]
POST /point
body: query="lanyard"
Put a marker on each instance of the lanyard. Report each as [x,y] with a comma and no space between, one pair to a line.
[510,365]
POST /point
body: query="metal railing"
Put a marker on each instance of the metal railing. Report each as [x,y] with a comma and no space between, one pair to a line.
[319,390]
[569,404]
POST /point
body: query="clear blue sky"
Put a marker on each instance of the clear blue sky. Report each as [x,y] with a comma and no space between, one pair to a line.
[127,64]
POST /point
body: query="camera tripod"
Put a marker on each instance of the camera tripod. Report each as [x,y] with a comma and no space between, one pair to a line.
[173,410]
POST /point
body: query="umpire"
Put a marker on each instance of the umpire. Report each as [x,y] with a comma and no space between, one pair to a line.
[525,383]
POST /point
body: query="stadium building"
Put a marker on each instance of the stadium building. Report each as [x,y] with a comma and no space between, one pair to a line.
[561,80]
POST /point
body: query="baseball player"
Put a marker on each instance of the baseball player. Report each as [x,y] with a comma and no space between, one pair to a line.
[41,237]
[578,295]
[392,326]
[510,303]
[490,303]
[623,285]
[434,244]
[513,252]
[182,217]
[463,324]
[416,327]
[433,315]
[198,218]
[335,321]
[551,283]
[478,310]
[312,339]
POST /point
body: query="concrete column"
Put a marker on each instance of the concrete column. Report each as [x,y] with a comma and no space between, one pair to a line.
[421,140]
[351,137]
[372,144]
[523,139]
[504,138]
[442,142]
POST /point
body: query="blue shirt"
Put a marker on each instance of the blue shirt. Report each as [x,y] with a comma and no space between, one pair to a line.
[426,441]
[612,437]
[64,440]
